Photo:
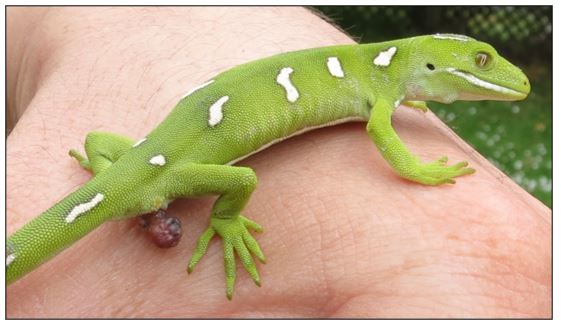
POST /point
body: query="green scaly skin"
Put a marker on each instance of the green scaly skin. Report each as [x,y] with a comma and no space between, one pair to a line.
[251,106]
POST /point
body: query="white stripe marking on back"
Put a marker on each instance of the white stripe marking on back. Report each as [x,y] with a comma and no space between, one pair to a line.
[9,259]
[384,58]
[83,208]
[158,160]
[334,67]
[215,112]
[284,80]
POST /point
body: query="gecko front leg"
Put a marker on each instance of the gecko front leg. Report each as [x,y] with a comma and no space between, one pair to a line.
[401,159]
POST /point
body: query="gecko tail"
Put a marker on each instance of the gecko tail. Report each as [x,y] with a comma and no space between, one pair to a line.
[58,227]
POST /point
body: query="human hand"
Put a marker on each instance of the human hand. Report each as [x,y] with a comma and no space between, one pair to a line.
[341,239]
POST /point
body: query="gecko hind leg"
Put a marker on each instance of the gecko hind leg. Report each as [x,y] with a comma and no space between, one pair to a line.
[102,150]
[234,185]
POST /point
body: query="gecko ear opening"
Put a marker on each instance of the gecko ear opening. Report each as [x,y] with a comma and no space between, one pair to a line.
[430,66]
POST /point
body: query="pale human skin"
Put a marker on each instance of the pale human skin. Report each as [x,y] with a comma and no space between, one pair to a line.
[359,240]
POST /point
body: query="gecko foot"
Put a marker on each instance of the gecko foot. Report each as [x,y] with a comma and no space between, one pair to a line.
[437,172]
[83,161]
[236,237]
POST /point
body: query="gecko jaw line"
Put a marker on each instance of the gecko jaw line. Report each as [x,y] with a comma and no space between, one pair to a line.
[482,83]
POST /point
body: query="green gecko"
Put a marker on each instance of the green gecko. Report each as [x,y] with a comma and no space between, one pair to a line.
[250,107]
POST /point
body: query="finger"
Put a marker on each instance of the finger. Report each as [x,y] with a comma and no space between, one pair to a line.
[253,247]
[247,261]
[460,165]
[230,269]
[252,225]
[201,248]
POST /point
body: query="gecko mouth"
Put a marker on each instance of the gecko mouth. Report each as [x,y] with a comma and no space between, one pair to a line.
[486,84]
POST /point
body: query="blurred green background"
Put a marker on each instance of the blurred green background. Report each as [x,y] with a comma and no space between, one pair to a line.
[515,136]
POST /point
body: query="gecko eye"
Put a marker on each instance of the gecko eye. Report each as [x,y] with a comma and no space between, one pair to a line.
[483,60]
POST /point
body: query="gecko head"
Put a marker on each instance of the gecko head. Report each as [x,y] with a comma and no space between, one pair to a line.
[450,67]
